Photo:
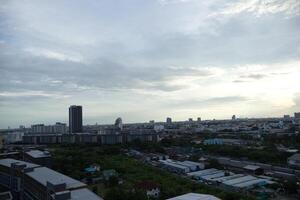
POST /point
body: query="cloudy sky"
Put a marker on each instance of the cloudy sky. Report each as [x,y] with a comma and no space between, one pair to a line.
[149,59]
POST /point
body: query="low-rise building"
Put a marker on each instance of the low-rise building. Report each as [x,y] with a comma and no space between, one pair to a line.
[43,158]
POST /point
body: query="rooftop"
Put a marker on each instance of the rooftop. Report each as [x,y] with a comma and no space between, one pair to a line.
[195,196]
[38,154]
[8,161]
[44,175]
[251,167]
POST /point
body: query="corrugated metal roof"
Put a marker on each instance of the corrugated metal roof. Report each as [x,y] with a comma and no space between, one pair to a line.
[239,180]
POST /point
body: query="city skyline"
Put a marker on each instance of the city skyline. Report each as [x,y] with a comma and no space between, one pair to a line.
[148,60]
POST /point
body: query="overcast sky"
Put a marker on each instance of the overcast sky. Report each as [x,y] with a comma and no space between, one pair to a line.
[148,59]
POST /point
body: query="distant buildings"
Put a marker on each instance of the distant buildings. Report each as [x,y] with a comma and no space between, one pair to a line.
[75,119]
[31,182]
[190,119]
[297,115]
[13,137]
[169,120]
[90,138]
[199,119]
[50,129]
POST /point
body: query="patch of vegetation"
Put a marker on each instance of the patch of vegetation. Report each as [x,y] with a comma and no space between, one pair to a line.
[72,161]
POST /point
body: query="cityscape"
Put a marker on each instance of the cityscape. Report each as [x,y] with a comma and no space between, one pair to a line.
[237,158]
[149,100]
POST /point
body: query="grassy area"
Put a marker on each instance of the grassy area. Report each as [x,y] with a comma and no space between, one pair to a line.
[72,161]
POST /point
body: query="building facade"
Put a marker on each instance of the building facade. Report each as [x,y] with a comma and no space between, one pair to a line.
[29,181]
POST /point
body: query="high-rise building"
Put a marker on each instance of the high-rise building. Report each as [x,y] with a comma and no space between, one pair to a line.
[297,115]
[199,119]
[75,119]
[169,120]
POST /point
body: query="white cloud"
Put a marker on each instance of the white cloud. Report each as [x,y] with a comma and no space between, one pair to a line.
[262,7]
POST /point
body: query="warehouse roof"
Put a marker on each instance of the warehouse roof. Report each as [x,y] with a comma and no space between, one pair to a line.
[227,178]
[250,183]
[239,180]
[204,172]
[195,196]
[173,164]
[212,176]
[44,175]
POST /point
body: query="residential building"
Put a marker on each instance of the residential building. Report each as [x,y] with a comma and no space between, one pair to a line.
[75,119]
[33,182]
[60,128]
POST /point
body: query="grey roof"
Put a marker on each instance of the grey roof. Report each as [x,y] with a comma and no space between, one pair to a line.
[85,194]
[213,176]
[8,161]
[227,178]
[239,180]
[38,154]
[44,175]
[204,172]
[195,196]
[295,157]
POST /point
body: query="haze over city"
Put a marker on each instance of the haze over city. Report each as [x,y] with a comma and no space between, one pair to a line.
[145,60]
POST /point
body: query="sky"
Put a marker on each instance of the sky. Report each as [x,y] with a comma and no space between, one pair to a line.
[148,60]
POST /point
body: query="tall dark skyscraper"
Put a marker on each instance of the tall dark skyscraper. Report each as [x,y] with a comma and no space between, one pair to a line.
[75,119]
